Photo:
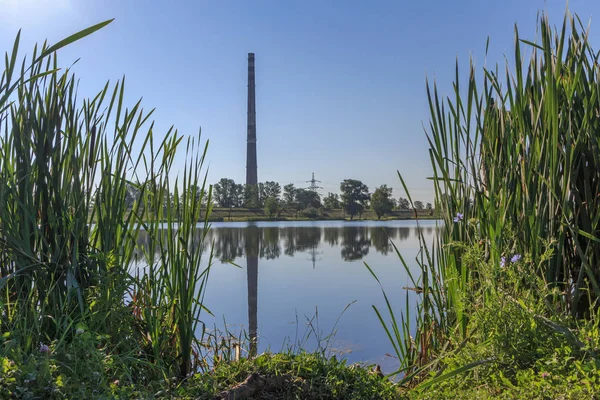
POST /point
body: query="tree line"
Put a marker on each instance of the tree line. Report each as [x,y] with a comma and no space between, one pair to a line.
[355,198]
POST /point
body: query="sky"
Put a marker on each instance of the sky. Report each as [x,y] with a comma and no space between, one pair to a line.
[340,84]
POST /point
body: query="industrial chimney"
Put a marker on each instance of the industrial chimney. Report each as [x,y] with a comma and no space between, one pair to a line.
[251,167]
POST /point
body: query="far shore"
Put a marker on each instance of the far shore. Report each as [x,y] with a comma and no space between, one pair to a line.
[251,215]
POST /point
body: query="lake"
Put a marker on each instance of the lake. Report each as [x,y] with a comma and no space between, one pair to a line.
[292,281]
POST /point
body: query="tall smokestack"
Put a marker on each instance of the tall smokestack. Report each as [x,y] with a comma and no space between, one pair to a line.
[251,167]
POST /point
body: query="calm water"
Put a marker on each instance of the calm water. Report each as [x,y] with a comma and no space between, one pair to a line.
[293,272]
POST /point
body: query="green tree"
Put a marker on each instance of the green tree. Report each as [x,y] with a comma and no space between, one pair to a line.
[419,205]
[198,193]
[289,195]
[307,198]
[239,197]
[355,196]
[226,193]
[381,201]
[251,199]
[331,201]
[271,206]
[268,189]
[403,203]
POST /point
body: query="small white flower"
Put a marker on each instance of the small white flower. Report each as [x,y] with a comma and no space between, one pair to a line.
[79,331]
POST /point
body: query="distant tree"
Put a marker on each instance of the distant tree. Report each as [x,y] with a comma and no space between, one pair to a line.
[429,207]
[419,205]
[197,192]
[381,201]
[289,195]
[271,206]
[169,201]
[355,196]
[403,203]
[225,193]
[307,198]
[239,195]
[331,201]
[310,212]
[251,199]
[268,189]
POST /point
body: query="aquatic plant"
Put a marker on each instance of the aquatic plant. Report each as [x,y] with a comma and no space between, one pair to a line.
[516,172]
[68,232]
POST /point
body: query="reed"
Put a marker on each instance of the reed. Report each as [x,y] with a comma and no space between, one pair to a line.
[68,234]
[516,172]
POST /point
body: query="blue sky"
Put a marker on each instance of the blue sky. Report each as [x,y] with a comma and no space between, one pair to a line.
[340,84]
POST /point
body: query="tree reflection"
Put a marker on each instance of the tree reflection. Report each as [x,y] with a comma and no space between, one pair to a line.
[380,240]
[269,242]
[301,239]
[229,243]
[355,243]
[332,235]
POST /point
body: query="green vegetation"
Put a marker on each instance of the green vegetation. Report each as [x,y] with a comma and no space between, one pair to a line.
[382,201]
[355,199]
[271,206]
[355,196]
[80,180]
[68,234]
[331,201]
[509,293]
[283,213]
[279,376]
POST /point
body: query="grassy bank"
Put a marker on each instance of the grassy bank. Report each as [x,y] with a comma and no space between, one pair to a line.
[268,376]
[245,214]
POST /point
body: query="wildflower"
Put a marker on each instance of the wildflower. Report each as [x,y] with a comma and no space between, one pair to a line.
[503,261]
[116,382]
[515,258]
[545,374]
[44,348]
[79,331]
[459,217]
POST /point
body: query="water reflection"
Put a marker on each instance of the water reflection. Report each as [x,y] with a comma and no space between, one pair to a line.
[269,242]
[288,288]
[252,252]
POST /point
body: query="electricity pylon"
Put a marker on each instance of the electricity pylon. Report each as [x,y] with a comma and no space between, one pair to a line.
[313,183]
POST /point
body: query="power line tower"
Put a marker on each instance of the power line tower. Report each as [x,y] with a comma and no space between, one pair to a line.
[313,183]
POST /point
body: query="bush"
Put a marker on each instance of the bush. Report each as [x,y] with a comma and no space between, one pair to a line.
[310,212]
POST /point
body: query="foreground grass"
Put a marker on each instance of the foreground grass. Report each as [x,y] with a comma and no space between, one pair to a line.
[300,376]
[509,293]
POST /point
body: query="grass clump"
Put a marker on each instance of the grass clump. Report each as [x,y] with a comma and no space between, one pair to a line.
[289,376]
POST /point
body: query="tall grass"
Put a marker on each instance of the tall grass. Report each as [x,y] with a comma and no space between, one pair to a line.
[67,233]
[516,170]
